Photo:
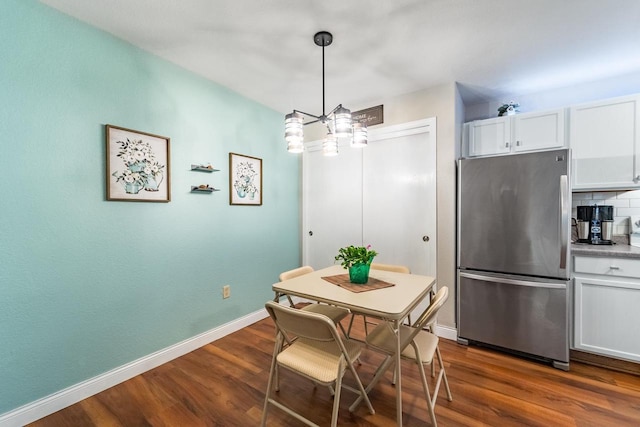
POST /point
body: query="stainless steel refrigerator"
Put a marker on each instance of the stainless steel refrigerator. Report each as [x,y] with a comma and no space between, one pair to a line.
[513,253]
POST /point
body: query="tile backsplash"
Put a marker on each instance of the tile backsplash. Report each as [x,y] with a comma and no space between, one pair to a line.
[625,204]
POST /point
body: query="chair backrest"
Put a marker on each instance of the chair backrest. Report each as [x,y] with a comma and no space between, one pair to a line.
[429,314]
[295,272]
[305,324]
[390,267]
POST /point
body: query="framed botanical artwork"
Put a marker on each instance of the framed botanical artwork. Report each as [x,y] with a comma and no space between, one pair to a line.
[245,180]
[137,166]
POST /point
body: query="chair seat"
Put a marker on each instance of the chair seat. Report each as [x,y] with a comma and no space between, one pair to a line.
[317,360]
[383,338]
[336,314]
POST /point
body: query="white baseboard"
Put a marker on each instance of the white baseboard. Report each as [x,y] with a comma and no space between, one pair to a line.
[446,332]
[48,405]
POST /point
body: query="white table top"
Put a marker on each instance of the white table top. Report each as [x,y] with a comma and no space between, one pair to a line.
[392,303]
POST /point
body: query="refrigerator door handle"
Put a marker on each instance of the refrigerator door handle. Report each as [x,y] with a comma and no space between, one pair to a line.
[513,281]
[564,219]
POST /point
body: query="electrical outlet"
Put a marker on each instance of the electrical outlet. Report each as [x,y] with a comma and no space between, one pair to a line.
[226,291]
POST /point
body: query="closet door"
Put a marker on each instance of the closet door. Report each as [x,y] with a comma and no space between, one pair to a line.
[399,200]
[383,195]
[332,204]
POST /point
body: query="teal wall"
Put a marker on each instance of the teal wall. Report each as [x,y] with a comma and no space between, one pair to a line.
[88,285]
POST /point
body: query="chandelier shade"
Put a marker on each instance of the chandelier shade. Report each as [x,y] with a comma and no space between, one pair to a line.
[360,135]
[343,123]
[339,123]
[294,132]
[330,145]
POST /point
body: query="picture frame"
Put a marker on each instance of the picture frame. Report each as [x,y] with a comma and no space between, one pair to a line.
[138,166]
[245,180]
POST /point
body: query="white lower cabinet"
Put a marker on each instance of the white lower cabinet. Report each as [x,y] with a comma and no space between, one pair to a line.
[606,306]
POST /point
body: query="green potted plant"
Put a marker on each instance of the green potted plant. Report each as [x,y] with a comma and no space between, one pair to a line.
[358,260]
[509,109]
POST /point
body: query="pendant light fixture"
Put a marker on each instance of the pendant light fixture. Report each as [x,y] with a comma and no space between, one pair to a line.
[338,122]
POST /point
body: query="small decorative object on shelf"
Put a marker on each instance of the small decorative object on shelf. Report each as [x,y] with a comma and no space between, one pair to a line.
[203,188]
[509,109]
[358,260]
[204,168]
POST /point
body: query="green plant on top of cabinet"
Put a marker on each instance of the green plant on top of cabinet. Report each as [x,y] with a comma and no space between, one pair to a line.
[604,144]
[517,133]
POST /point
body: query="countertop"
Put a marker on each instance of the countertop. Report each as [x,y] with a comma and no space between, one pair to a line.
[619,250]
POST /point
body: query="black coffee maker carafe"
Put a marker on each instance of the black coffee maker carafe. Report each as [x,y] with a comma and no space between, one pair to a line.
[595,224]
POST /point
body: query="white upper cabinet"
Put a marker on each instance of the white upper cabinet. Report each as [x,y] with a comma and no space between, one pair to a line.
[604,144]
[517,133]
[539,131]
[490,137]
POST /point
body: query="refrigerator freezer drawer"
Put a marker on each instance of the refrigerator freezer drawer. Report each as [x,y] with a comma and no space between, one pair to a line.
[522,315]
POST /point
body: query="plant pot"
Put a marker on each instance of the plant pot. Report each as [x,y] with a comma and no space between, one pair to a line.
[151,183]
[359,273]
[132,187]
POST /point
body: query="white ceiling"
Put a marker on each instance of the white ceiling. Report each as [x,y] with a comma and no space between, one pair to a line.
[264,49]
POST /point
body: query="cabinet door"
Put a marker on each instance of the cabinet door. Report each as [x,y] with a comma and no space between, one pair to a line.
[539,131]
[606,317]
[491,136]
[604,143]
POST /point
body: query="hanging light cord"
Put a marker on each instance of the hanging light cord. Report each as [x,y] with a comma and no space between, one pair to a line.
[323,81]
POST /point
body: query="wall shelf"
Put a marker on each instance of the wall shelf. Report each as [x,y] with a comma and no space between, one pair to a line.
[203,168]
[203,188]
[199,189]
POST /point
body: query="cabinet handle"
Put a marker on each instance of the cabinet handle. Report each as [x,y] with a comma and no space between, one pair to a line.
[614,267]
[518,143]
[506,144]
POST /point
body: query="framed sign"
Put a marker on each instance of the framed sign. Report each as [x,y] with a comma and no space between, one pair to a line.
[245,180]
[137,166]
[370,116]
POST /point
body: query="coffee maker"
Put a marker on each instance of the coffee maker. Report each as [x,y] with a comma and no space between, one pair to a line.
[595,224]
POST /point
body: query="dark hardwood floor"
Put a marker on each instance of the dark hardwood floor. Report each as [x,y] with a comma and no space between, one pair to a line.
[223,384]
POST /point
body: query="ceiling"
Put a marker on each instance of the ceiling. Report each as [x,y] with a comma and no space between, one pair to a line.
[264,49]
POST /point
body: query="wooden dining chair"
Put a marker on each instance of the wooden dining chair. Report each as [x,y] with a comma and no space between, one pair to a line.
[416,344]
[314,351]
[336,314]
[377,266]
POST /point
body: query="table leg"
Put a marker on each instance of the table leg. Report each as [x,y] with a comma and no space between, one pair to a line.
[396,325]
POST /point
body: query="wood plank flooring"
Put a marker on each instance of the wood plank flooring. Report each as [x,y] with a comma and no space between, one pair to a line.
[224,383]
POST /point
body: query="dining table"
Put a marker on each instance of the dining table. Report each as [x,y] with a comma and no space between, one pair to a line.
[388,295]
